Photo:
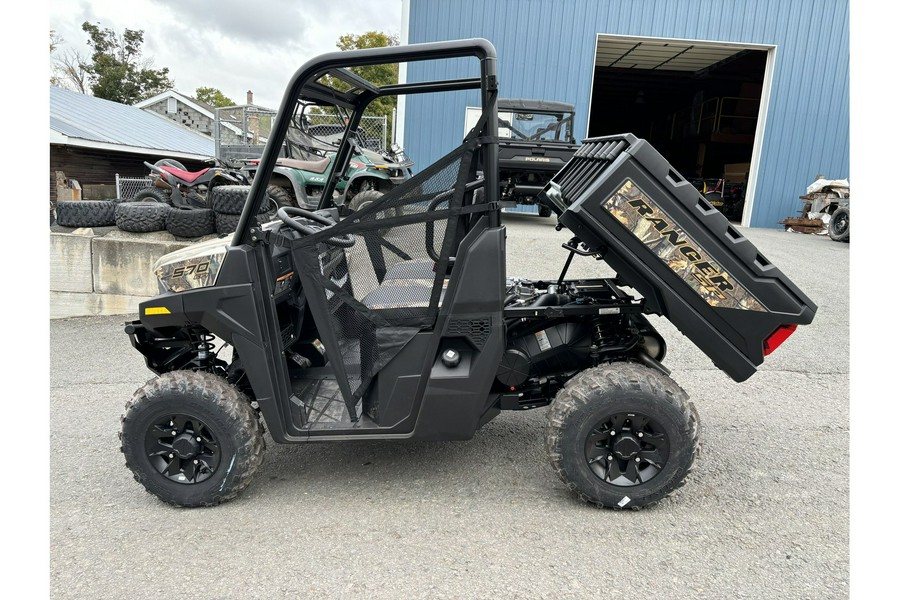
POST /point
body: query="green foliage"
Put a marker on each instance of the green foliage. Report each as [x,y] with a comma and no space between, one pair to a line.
[377,74]
[117,71]
[213,97]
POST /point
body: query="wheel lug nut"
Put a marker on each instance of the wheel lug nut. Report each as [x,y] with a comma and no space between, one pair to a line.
[196,461]
[171,455]
[640,434]
[609,457]
[199,439]
[174,432]
[613,432]
[638,459]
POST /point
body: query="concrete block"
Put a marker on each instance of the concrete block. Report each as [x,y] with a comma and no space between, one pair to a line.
[70,262]
[68,304]
[122,266]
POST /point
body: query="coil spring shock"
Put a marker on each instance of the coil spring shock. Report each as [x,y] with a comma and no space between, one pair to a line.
[612,335]
[204,347]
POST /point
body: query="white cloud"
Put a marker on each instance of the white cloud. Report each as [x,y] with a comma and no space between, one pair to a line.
[229,44]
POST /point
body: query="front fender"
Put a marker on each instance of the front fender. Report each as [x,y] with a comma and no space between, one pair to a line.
[369,173]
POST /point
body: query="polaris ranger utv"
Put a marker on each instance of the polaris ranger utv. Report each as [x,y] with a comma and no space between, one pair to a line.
[397,321]
[536,141]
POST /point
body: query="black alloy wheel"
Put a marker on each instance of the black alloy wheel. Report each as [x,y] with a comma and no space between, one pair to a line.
[191,438]
[627,449]
[182,449]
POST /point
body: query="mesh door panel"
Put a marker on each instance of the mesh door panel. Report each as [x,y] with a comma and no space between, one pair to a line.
[389,284]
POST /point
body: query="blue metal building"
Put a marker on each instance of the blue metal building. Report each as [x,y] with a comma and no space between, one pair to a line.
[558,50]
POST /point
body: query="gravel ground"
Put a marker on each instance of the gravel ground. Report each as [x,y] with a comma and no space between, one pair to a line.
[764,514]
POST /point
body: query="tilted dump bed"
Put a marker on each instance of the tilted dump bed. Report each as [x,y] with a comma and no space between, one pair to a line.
[619,195]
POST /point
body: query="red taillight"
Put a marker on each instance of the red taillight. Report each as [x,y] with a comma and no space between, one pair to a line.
[777,338]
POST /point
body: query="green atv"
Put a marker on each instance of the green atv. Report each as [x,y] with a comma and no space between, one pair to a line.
[299,177]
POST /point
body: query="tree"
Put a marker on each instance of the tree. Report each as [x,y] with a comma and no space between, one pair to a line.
[67,70]
[377,74]
[213,97]
[117,70]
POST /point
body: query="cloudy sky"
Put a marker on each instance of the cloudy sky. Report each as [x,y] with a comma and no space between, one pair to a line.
[233,45]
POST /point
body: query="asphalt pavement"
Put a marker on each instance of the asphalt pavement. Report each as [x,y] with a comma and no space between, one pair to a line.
[764,513]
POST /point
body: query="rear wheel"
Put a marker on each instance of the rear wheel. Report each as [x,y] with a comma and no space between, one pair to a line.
[622,435]
[280,196]
[191,439]
[839,226]
[152,194]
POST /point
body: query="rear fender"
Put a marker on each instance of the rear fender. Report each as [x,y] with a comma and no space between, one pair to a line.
[295,178]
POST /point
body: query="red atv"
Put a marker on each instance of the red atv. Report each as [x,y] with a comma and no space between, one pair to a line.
[175,185]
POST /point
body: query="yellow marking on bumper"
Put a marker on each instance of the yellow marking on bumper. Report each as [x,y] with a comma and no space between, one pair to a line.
[157,310]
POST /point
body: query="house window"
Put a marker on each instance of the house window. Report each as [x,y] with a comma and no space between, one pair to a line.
[171,106]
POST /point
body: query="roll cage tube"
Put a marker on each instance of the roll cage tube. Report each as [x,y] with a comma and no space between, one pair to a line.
[305,80]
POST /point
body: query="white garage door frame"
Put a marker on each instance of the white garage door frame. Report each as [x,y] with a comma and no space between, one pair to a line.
[765,96]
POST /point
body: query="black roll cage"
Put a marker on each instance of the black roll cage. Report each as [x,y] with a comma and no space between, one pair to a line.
[304,86]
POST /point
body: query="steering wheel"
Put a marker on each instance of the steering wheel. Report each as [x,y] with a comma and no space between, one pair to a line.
[287,215]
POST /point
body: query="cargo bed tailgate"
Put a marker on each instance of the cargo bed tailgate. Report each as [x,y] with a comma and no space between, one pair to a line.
[620,196]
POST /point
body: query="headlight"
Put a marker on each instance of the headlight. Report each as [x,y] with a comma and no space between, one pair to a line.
[196,266]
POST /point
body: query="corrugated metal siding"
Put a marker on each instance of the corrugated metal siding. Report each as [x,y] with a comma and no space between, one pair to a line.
[546,51]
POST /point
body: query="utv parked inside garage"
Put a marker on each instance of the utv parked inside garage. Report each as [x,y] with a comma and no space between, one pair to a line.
[397,321]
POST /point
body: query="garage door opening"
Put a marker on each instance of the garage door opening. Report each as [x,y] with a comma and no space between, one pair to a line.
[701,104]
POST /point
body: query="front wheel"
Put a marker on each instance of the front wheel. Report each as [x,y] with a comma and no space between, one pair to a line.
[191,439]
[839,226]
[622,435]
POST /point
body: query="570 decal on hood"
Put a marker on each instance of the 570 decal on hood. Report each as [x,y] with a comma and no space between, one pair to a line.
[658,232]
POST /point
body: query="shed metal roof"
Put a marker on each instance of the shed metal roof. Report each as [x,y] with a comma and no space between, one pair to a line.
[93,122]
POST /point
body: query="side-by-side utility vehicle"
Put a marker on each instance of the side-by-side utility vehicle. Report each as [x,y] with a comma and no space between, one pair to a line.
[398,321]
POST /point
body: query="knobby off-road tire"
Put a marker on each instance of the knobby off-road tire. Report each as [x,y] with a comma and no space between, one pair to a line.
[367,197]
[653,421]
[142,217]
[226,224]
[280,196]
[838,227]
[153,194]
[363,199]
[85,213]
[191,405]
[191,222]
[230,199]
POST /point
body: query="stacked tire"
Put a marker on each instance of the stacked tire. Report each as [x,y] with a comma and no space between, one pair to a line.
[191,222]
[228,203]
[141,216]
[85,213]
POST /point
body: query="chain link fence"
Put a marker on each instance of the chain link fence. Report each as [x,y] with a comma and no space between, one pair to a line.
[127,187]
[330,128]
[241,132]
